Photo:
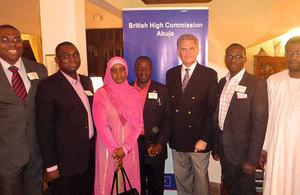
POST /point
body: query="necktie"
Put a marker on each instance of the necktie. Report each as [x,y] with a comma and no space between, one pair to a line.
[186,79]
[17,83]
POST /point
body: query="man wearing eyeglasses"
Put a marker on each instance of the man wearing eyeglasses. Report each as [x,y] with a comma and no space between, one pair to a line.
[240,123]
[21,170]
[280,156]
[64,125]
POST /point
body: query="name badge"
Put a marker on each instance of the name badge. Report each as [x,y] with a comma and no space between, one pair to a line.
[241,88]
[88,93]
[241,95]
[32,75]
[152,95]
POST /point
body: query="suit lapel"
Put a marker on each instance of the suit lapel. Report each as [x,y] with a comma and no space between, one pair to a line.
[220,89]
[221,86]
[33,83]
[244,82]
[86,85]
[196,75]
[147,102]
[68,89]
[177,80]
[5,85]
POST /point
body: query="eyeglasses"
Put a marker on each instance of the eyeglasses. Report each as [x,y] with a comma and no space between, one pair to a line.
[238,57]
[14,40]
[291,53]
[67,56]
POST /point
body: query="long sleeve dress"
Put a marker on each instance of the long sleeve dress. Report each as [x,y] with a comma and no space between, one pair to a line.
[112,135]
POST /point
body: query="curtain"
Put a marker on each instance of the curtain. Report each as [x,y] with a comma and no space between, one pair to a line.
[36,45]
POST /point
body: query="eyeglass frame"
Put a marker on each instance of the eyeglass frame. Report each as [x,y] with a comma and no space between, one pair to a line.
[7,40]
[291,53]
[238,57]
[67,56]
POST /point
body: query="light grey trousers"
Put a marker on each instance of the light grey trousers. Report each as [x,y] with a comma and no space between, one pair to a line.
[191,172]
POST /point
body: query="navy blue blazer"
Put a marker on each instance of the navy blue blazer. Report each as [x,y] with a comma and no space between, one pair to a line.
[192,110]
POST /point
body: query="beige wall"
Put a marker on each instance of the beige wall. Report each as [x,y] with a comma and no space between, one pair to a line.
[96,18]
[64,21]
[23,14]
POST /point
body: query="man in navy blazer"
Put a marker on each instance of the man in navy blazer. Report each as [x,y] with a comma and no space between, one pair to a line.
[64,125]
[21,170]
[193,91]
[157,125]
[240,123]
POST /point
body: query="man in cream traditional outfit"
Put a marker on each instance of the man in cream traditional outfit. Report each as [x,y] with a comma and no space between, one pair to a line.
[281,154]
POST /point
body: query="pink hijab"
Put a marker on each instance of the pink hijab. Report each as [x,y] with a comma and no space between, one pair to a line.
[124,97]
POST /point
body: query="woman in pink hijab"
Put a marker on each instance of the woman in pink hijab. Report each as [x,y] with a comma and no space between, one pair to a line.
[118,119]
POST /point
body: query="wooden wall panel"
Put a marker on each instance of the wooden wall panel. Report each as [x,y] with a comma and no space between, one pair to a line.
[102,44]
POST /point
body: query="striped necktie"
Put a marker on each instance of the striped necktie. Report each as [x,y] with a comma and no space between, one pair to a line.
[186,79]
[17,83]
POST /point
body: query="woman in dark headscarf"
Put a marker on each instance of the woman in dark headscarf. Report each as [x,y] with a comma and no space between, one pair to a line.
[118,118]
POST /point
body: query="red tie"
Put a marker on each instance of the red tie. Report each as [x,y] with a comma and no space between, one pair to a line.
[17,83]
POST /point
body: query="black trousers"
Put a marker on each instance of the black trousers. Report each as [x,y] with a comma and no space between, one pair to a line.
[236,181]
[151,172]
[82,184]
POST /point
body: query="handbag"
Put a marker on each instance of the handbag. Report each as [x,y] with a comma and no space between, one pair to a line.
[131,191]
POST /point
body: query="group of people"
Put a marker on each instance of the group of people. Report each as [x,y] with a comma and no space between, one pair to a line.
[57,124]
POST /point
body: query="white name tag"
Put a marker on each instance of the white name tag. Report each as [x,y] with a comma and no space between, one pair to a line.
[88,93]
[241,88]
[152,95]
[32,75]
[241,95]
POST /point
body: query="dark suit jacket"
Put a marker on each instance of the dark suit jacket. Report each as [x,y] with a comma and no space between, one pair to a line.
[193,109]
[62,124]
[157,120]
[245,122]
[18,140]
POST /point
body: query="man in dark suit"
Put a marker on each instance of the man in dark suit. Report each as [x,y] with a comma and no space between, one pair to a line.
[64,125]
[193,91]
[21,163]
[240,123]
[157,123]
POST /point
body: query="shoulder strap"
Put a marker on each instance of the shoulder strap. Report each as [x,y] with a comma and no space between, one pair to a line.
[124,181]
[112,186]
